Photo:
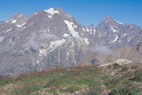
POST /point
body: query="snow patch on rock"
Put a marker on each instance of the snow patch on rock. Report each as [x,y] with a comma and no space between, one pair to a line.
[71,26]
[35,13]
[118,22]
[1,38]
[53,45]
[51,11]
[129,39]
[83,29]
[87,30]
[100,35]
[20,25]
[86,40]
[8,30]
[116,38]
[42,52]
[124,35]
[14,21]
[94,31]
[113,30]
[66,35]
[50,16]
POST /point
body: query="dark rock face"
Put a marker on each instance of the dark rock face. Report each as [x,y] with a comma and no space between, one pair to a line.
[53,37]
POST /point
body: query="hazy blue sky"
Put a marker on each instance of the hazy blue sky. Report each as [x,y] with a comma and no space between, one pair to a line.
[85,11]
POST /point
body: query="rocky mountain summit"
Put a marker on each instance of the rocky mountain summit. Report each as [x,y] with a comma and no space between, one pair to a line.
[116,34]
[52,38]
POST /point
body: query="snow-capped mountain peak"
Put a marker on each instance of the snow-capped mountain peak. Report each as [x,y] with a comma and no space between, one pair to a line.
[53,37]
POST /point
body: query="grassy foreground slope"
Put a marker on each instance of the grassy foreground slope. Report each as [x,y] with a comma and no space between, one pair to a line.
[78,80]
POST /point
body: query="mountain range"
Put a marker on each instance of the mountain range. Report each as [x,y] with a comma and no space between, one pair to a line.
[53,38]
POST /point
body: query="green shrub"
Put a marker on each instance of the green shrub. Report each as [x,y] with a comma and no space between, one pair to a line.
[6,81]
[27,90]
[125,91]
[70,89]
[111,83]
[52,90]
[124,69]
[93,91]
[137,76]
